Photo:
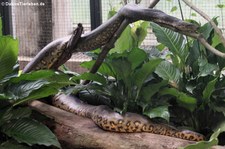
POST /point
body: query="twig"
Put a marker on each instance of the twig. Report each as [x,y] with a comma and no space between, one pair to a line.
[106,48]
[153,3]
[218,31]
[210,48]
[203,41]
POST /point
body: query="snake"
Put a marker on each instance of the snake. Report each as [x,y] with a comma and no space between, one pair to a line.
[108,120]
[60,50]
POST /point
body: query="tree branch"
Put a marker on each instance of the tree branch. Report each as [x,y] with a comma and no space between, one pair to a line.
[153,3]
[77,132]
[106,48]
[217,30]
[203,41]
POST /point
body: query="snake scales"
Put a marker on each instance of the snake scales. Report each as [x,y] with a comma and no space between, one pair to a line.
[109,120]
[59,51]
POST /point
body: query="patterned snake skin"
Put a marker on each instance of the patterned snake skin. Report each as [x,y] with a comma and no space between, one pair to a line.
[109,120]
[59,51]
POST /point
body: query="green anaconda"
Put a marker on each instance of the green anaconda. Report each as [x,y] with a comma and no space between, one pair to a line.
[59,51]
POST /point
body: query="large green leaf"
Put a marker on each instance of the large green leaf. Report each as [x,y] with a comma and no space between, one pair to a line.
[216,40]
[112,12]
[122,69]
[220,60]
[206,29]
[92,77]
[161,111]
[29,85]
[145,71]
[104,68]
[23,89]
[19,87]
[42,92]
[31,132]
[11,114]
[206,68]
[7,78]
[8,54]
[209,89]
[202,145]
[139,31]
[136,57]
[148,91]
[205,144]
[11,144]
[182,98]
[194,55]
[0,26]
[34,75]
[173,40]
[169,72]
[125,37]
[57,79]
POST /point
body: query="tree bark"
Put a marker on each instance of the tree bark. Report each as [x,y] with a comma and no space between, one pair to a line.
[79,132]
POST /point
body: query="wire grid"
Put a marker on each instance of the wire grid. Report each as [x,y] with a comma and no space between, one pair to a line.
[32,30]
[35,26]
[81,13]
[207,6]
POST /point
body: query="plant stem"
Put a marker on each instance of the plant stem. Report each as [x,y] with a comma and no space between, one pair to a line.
[153,3]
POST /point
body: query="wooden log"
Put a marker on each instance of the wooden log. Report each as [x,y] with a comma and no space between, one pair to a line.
[79,132]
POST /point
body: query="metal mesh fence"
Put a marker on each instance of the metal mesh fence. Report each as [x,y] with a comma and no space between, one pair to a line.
[209,7]
[37,25]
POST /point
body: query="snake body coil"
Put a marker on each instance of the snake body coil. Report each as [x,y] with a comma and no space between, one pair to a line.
[109,120]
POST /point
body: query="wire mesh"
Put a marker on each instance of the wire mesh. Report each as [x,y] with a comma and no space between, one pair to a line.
[37,25]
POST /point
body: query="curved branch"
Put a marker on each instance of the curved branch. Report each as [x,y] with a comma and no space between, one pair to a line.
[106,48]
[210,48]
[203,41]
[101,35]
[217,30]
[153,3]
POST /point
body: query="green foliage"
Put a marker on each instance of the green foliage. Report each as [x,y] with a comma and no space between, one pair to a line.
[0,26]
[139,32]
[193,14]
[8,55]
[26,130]
[205,144]
[145,71]
[15,122]
[173,9]
[124,38]
[90,76]
[174,41]
[184,86]
[221,6]
[126,80]
[11,144]
[195,77]
[132,36]
[161,111]
[169,72]
[32,86]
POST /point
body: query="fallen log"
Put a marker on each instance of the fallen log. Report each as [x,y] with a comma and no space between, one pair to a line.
[79,132]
